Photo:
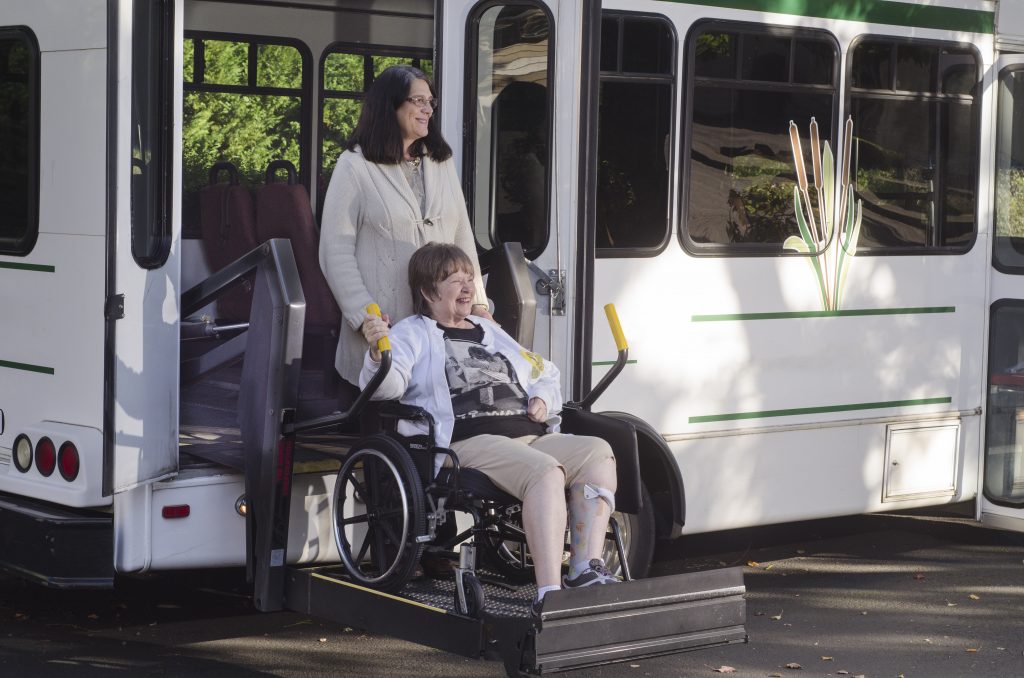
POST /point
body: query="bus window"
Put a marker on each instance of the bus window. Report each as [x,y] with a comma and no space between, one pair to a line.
[346,73]
[915,144]
[151,132]
[1008,250]
[634,125]
[1004,432]
[509,122]
[245,103]
[19,140]
[745,85]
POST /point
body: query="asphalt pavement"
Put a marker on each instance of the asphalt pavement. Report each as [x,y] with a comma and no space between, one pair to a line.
[874,596]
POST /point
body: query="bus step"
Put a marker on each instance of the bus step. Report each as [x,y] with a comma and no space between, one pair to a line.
[643,618]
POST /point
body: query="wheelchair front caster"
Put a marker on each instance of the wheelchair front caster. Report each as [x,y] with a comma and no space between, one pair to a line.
[469,594]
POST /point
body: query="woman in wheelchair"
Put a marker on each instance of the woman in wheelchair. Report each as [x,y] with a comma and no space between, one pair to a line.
[494,403]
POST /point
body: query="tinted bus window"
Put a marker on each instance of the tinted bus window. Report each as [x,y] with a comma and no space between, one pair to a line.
[915,144]
[510,126]
[1008,250]
[19,140]
[746,83]
[634,126]
[151,132]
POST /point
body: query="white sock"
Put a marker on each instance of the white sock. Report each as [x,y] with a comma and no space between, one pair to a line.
[543,590]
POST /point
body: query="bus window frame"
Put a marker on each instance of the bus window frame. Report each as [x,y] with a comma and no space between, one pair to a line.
[305,92]
[163,49]
[672,78]
[733,250]
[469,96]
[23,245]
[365,50]
[903,95]
[1008,269]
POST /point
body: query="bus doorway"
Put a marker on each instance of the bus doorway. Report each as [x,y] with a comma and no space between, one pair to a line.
[1002,502]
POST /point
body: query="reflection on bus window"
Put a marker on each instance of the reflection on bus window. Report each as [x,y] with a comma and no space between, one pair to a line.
[347,72]
[1008,251]
[244,103]
[915,148]
[747,83]
[19,141]
[512,131]
[1004,433]
[634,122]
[151,129]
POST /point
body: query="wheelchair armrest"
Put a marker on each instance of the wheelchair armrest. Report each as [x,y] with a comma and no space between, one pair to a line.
[392,409]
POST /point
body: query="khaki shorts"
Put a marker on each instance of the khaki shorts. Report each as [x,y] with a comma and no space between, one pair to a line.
[515,464]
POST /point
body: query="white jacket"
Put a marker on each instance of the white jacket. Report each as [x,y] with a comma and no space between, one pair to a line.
[417,375]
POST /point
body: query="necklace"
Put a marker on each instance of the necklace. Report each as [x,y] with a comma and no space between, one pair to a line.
[414,163]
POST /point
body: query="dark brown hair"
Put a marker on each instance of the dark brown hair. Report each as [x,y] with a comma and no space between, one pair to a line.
[377,133]
[431,264]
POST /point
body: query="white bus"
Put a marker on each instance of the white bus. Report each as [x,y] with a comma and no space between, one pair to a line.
[639,151]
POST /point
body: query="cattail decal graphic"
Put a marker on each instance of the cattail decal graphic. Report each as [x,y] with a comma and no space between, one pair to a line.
[829,255]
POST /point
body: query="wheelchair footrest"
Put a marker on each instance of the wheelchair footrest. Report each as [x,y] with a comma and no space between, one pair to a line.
[603,624]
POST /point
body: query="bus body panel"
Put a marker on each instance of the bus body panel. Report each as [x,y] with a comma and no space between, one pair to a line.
[52,299]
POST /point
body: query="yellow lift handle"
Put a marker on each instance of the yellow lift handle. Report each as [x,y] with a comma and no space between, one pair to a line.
[613,321]
[383,344]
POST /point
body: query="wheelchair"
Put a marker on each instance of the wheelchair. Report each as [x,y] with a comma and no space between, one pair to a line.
[388,505]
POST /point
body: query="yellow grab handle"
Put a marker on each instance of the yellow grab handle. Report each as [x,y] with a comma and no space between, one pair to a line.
[383,344]
[613,321]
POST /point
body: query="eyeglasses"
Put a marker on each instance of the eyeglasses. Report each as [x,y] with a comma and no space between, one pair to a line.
[422,102]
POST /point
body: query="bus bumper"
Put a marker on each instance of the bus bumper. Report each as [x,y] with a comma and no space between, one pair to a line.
[56,546]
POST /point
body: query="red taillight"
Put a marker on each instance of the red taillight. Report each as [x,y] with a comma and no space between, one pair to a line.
[177,511]
[67,461]
[46,456]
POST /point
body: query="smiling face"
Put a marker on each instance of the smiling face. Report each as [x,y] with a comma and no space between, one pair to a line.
[412,119]
[452,300]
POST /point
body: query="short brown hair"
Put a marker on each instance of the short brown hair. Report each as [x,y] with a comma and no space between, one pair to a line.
[431,264]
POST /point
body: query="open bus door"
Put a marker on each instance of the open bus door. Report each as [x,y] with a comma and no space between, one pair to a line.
[1002,501]
[141,418]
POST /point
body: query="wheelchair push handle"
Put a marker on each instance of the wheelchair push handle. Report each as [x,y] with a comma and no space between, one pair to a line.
[623,348]
[383,344]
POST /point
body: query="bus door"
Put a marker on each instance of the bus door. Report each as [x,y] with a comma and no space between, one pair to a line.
[1002,503]
[512,77]
[142,313]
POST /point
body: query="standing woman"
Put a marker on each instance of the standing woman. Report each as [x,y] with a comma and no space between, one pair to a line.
[393,190]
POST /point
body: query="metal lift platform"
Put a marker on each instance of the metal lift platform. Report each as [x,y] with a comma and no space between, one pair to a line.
[576,628]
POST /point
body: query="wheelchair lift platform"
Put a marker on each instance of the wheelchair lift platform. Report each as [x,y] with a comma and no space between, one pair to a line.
[577,628]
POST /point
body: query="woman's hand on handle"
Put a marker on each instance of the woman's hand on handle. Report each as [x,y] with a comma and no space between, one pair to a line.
[375,328]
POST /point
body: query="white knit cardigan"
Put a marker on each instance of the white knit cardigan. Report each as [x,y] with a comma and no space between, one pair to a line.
[371,225]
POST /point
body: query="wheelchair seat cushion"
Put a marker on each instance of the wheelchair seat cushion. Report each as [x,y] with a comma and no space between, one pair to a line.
[476,484]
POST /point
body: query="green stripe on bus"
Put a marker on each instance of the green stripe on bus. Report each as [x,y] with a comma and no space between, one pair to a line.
[790,315]
[27,267]
[870,11]
[25,366]
[598,363]
[819,410]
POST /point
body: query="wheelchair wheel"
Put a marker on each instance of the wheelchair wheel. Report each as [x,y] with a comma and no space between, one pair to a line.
[637,540]
[379,513]
[505,549]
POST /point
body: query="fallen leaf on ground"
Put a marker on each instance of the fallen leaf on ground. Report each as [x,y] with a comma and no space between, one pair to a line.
[778,616]
[948,604]
[973,597]
[753,563]
[918,576]
[793,665]
[826,659]
[972,649]
[724,669]
[323,640]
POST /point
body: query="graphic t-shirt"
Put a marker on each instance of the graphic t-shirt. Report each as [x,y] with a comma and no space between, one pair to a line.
[486,395]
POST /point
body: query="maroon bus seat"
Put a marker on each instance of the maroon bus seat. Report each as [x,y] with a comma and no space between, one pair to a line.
[228,226]
[283,211]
